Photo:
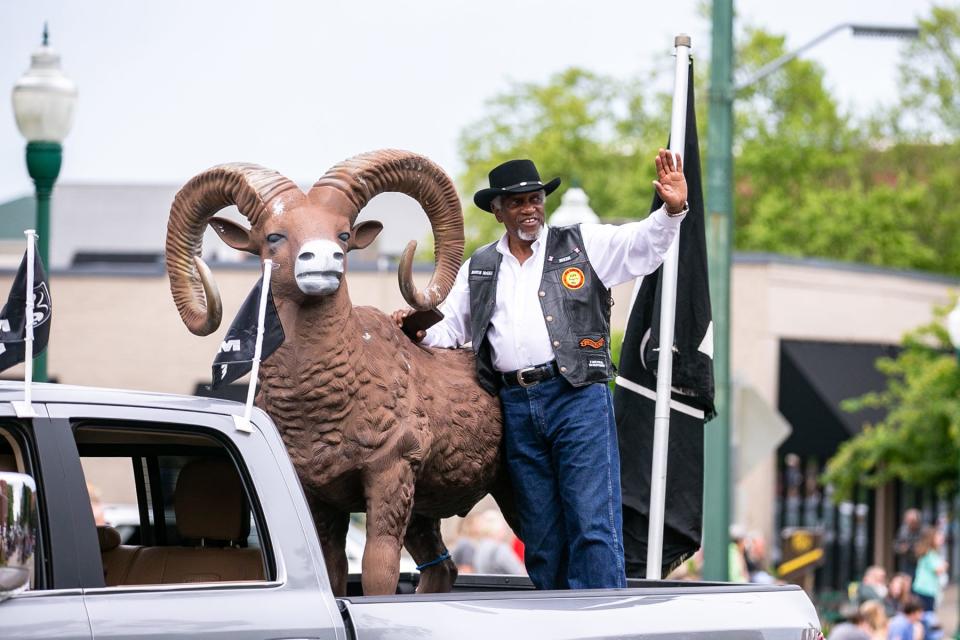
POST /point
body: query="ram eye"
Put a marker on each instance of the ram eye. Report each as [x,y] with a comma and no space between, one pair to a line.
[273,238]
[344,236]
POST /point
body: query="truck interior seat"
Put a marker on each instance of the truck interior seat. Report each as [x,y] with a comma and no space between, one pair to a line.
[117,558]
[212,513]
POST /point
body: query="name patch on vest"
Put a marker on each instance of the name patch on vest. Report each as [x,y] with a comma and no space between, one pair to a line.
[484,273]
[572,278]
[590,343]
[598,364]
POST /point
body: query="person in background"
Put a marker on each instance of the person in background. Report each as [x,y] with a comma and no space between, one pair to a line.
[907,537]
[756,560]
[853,628]
[737,558]
[906,624]
[482,547]
[873,586]
[898,592]
[875,618]
[931,568]
[462,556]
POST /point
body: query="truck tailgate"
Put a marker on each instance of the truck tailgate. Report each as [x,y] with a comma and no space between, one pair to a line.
[717,612]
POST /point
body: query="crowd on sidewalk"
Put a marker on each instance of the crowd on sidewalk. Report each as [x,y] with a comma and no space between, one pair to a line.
[903,607]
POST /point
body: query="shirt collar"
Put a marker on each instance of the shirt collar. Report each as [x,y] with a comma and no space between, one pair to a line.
[537,246]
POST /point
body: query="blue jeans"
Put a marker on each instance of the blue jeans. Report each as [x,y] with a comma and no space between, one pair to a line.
[561,450]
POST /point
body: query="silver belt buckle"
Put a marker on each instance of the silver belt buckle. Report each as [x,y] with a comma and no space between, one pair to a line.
[521,380]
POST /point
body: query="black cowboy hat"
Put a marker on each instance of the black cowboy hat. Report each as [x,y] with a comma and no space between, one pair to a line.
[513,176]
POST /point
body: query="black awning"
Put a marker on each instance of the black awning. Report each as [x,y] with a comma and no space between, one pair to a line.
[815,378]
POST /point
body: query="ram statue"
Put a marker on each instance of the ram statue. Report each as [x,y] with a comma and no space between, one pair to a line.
[373,422]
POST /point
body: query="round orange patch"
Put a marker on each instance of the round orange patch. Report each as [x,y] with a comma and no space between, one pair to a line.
[572,278]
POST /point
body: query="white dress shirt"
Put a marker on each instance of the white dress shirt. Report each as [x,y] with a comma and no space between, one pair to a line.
[518,333]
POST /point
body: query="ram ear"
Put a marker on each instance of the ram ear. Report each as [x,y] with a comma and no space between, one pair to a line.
[234,235]
[363,234]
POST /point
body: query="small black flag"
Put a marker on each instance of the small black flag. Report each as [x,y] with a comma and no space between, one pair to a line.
[235,358]
[13,332]
[692,381]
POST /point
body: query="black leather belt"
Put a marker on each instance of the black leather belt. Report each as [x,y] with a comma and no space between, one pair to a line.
[529,376]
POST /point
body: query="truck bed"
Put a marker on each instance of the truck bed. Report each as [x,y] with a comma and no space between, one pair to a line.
[500,607]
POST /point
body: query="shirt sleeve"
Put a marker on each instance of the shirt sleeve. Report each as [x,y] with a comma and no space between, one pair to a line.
[454,330]
[619,253]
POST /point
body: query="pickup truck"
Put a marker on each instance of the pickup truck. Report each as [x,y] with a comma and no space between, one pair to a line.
[226,547]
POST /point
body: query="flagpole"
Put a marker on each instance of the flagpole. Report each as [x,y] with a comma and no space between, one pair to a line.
[244,425]
[28,320]
[668,308]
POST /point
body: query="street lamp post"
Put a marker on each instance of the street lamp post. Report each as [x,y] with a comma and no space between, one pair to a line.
[43,104]
[723,90]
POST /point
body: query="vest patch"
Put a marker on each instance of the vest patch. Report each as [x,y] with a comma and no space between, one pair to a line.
[593,344]
[481,272]
[600,364]
[572,278]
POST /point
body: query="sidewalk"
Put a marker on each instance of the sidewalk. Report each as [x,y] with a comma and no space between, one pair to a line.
[947,612]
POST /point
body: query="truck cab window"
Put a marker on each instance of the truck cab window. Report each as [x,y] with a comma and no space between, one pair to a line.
[172,507]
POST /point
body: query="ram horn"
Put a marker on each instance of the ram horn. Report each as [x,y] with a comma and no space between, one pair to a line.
[364,176]
[248,186]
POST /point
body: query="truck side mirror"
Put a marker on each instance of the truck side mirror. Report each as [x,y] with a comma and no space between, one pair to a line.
[18,531]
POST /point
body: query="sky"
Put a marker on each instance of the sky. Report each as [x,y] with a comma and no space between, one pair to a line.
[167,89]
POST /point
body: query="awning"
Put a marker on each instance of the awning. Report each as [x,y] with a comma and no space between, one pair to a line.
[815,378]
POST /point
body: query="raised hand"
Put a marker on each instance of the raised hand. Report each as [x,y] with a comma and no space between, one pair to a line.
[671,185]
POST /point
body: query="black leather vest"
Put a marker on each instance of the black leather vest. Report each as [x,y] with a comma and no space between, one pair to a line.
[575,304]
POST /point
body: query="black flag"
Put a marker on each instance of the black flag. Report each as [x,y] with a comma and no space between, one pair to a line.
[13,332]
[692,381]
[235,358]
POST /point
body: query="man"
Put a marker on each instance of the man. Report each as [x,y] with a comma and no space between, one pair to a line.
[536,307]
[873,586]
[908,535]
[908,621]
[854,628]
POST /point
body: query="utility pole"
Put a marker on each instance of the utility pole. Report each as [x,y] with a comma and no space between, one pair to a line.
[716,492]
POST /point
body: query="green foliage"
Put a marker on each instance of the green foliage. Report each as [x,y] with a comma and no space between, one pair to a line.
[917,441]
[811,182]
[851,223]
[930,77]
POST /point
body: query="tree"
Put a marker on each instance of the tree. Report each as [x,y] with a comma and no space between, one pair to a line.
[917,441]
[791,138]
[811,181]
[930,77]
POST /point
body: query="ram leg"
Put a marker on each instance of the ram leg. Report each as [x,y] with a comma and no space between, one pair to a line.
[389,502]
[331,528]
[425,544]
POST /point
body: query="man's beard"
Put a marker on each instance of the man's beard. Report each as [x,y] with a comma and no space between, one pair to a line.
[526,236]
